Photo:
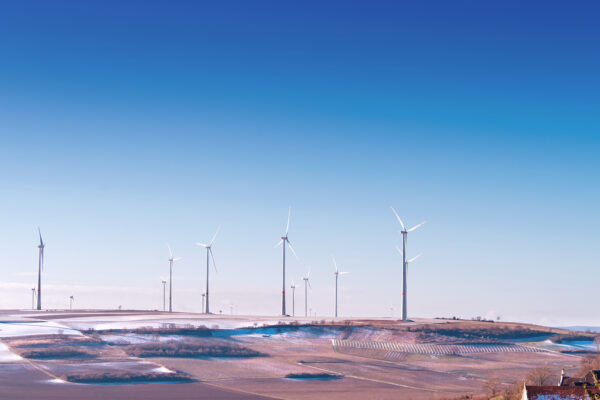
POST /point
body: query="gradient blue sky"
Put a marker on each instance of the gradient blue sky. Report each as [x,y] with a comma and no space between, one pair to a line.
[128,124]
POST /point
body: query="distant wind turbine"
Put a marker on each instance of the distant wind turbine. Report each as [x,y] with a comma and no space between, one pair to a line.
[71,299]
[405,232]
[337,273]
[33,298]
[284,240]
[306,285]
[40,269]
[209,253]
[164,285]
[293,287]
[171,261]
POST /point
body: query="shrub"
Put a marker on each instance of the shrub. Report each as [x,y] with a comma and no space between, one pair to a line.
[319,375]
[56,352]
[190,349]
[125,377]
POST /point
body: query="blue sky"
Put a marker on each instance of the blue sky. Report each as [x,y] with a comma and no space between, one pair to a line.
[127,125]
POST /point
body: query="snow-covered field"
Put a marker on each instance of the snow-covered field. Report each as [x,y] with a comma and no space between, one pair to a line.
[26,328]
[160,321]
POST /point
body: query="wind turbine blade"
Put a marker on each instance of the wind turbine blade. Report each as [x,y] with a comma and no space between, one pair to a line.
[416,226]
[42,257]
[308,281]
[399,220]
[215,236]
[202,245]
[344,273]
[40,232]
[279,243]
[292,249]
[334,263]
[399,250]
[287,227]
[170,251]
[213,259]
[177,259]
[414,258]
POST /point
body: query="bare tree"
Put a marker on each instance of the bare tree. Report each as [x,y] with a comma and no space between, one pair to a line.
[492,387]
[515,392]
[542,376]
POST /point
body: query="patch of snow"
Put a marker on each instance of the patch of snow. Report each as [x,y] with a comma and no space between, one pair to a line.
[163,370]
[56,381]
[160,320]
[8,356]
[27,328]
[132,338]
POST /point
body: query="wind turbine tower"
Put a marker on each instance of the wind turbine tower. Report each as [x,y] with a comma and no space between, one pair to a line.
[284,240]
[404,232]
[33,298]
[306,286]
[293,287]
[337,273]
[71,299]
[171,261]
[164,284]
[40,269]
[209,255]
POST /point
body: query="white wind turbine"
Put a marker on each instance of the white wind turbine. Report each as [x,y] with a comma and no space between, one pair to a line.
[405,232]
[40,269]
[171,261]
[71,299]
[337,273]
[293,287]
[164,285]
[33,298]
[306,286]
[209,255]
[284,240]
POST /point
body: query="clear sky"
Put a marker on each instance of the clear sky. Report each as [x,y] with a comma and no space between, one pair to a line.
[125,125]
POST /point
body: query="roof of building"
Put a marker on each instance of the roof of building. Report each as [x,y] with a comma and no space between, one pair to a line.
[556,392]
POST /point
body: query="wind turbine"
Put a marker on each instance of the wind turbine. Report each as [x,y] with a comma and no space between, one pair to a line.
[209,253]
[404,232]
[337,273]
[306,285]
[171,261]
[164,284]
[410,260]
[71,299]
[32,298]
[40,269]
[284,240]
[203,295]
[293,287]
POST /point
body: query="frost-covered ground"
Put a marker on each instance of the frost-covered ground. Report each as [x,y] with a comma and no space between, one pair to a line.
[162,320]
[6,355]
[27,328]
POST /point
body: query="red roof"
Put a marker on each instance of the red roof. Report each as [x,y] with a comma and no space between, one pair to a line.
[556,392]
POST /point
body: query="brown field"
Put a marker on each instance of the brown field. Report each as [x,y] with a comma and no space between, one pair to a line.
[152,355]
